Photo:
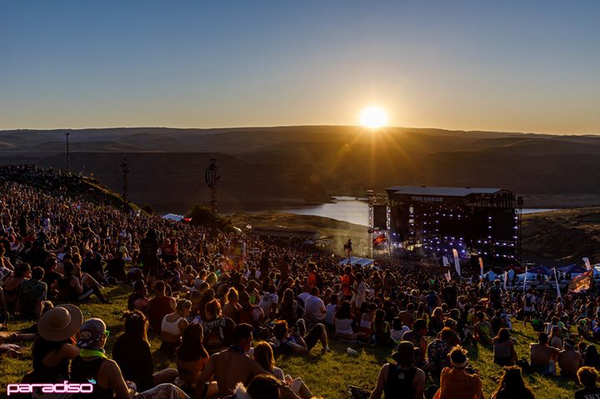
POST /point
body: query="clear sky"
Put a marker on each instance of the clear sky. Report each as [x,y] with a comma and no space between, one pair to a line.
[490,65]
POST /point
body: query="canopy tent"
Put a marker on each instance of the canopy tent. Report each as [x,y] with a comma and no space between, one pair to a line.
[174,217]
[530,276]
[541,270]
[353,261]
[571,269]
[491,276]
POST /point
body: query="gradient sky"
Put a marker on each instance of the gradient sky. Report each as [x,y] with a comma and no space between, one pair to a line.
[488,65]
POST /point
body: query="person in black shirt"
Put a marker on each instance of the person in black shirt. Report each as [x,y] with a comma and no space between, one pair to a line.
[587,377]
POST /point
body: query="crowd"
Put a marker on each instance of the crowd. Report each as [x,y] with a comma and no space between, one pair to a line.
[223,321]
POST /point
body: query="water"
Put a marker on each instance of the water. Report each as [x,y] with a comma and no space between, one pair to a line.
[354,210]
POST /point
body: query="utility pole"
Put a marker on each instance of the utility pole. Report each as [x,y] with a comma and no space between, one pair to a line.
[67,134]
[124,172]
[211,176]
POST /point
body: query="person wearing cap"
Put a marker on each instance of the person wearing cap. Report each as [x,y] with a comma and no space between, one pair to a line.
[400,379]
[569,360]
[55,346]
[92,366]
[456,382]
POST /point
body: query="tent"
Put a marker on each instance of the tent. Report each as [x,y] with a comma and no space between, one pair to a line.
[572,269]
[530,276]
[491,276]
[541,270]
[363,262]
[174,217]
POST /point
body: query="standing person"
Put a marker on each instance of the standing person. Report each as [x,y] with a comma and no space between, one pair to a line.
[92,365]
[495,295]
[360,291]
[400,379]
[347,281]
[149,255]
[456,382]
[512,386]
[528,306]
[588,378]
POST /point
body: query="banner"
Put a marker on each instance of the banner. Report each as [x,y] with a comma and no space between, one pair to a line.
[586,260]
[525,281]
[582,283]
[505,280]
[380,239]
[557,287]
[456,262]
[480,269]
[445,261]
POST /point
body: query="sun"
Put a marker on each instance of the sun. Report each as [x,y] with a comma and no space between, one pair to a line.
[373,117]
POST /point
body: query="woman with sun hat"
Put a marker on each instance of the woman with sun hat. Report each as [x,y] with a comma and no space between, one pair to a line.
[55,346]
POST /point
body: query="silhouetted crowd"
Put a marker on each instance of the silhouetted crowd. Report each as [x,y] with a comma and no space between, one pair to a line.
[226,305]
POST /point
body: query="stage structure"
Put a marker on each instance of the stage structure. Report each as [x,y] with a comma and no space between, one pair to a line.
[211,177]
[432,221]
[379,222]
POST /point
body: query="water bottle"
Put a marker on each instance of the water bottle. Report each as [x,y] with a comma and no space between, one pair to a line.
[351,352]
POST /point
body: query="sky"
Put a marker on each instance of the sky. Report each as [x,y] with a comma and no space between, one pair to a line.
[526,65]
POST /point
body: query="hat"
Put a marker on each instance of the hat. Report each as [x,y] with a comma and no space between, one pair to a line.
[90,332]
[60,323]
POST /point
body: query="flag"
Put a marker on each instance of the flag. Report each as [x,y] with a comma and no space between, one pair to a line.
[379,239]
[481,268]
[505,280]
[557,287]
[456,261]
[586,260]
[445,261]
[582,283]
[448,276]
[525,281]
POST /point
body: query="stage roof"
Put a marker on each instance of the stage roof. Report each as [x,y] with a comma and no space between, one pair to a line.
[440,191]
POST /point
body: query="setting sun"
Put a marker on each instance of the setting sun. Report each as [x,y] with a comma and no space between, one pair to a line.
[373,117]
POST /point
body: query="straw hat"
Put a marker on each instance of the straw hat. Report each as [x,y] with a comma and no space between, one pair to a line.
[60,323]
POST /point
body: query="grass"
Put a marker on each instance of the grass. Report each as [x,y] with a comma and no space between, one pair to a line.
[327,375]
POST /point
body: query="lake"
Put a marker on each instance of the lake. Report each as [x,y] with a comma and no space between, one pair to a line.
[353,210]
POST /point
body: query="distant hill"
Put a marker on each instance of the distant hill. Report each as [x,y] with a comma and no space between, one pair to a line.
[263,168]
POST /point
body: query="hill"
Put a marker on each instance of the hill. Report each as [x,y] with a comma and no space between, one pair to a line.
[263,168]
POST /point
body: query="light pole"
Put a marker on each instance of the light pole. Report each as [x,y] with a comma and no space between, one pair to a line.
[67,134]
[124,172]
[211,177]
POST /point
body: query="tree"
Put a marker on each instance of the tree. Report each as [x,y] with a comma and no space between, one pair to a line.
[201,215]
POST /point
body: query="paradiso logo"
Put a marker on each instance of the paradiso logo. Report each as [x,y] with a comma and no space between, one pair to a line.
[65,387]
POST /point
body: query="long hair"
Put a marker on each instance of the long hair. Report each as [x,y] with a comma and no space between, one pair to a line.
[512,385]
[136,326]
[344,312]
[263,354]
[503,335]
[191,348]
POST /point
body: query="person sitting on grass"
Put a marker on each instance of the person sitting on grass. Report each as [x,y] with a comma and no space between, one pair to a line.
[218,329]
[159,306]
[343,323]
[512,386]
[588,377]
[173,325]
[456,381]
[482,330]
[139,299]
[132,354]
[543,357]
[191,360]
[400,379]
[292,342]
[263,354]
[504,348]
[231,366]
[92,365]
[569,360]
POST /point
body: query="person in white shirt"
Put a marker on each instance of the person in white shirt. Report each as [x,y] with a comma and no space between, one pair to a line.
[360,291]
[305,294]
[269,301]
[314,307]
[331,310]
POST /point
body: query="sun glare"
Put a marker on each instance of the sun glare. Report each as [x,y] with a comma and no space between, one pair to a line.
[373,117]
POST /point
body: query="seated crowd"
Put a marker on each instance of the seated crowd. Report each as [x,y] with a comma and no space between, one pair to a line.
[222,322]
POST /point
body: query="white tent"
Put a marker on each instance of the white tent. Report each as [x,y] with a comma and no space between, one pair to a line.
[353,261]
[174,217]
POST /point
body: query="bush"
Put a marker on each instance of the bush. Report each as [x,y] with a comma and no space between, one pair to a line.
[201,215]
[149,209]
